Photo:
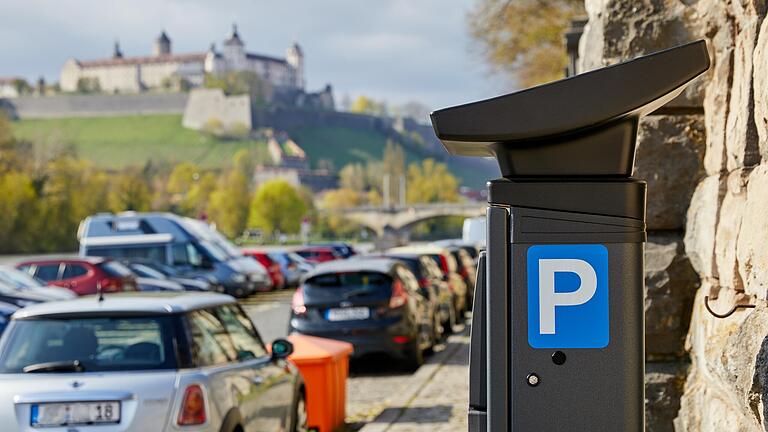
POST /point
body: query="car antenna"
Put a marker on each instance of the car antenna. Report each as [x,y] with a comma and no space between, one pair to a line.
[99,291]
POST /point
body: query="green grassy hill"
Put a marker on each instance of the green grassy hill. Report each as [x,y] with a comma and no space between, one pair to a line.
[117,142]
[344,146]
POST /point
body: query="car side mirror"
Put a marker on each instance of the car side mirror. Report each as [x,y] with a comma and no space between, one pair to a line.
[281,348]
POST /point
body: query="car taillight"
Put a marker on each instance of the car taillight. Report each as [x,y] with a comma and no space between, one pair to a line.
[444,264]
[111,284]
[424,283]
[192,407]
[297,303]
[399,296]
[464,273]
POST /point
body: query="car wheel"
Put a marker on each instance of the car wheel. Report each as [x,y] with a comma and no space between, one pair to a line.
[299,423]
[414,358]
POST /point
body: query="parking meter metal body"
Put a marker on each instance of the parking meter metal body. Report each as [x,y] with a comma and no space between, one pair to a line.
[558,332]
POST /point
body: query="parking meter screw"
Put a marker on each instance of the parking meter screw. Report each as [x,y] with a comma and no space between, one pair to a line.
[533,379]
[558,358]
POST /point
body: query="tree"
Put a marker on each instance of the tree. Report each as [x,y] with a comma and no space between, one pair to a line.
[524,39]
[244,162]
[130,192]
[18,213]
[431,182]
[277,207]
[393,165]
[88,85]
[21,86]
[183,176]
[240,83]
[352,176]
[228,204]
[366,105]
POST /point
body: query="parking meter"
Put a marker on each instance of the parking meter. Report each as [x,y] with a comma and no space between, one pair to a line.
[557,341]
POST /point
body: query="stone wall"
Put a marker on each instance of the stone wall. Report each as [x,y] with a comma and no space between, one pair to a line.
[35,107]
[708,210]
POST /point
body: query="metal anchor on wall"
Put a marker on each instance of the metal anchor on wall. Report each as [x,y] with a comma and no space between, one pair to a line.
[743,301]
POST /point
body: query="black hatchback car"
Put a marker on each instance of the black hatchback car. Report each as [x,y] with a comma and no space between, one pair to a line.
[374,304]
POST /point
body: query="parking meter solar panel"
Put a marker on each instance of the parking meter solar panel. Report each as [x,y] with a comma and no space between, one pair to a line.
[591,117]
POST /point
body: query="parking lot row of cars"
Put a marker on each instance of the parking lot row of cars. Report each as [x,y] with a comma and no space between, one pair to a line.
[131,360]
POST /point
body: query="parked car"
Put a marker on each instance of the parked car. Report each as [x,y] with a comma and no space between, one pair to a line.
[465,266]
[25,283]
[82,275]
[148,362]
[342,249]
[449,269]
[374,304]
[434,289]
[318,254]
[9,294]
[147,268]
[293,266]
[6,310]
[430,276]
[189,245]
[472,249]
[272,266]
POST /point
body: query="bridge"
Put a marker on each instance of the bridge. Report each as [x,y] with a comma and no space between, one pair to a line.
[400,219]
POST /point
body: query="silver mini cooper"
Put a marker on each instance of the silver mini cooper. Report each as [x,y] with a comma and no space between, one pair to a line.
[145,362]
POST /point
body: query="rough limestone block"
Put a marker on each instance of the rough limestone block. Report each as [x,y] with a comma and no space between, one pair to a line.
[752,243]
[670,153]
[663,388]
[620,30]
[670,286]
[760,72]
[701,224]
[728,226]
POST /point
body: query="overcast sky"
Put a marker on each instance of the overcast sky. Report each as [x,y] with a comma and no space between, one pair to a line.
[397,50]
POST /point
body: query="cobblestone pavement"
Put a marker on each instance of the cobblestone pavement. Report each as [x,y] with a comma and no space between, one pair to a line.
[441,399]
[378,391]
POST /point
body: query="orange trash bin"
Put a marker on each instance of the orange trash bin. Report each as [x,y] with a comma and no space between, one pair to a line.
[324,364]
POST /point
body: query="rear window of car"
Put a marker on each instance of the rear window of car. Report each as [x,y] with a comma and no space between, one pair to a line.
[99,344]
[358,279]
[115,269]
[48,272]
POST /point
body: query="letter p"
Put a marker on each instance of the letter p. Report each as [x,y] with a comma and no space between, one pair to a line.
[549,299]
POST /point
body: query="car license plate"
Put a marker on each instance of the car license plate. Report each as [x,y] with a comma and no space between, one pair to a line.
[75,413]
[348,314]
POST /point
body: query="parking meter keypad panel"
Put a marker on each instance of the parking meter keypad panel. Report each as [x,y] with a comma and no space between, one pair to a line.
[593,319]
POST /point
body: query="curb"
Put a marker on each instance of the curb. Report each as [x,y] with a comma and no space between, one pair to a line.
[412,387]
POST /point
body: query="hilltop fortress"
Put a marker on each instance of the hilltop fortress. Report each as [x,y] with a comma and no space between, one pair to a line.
[167,70]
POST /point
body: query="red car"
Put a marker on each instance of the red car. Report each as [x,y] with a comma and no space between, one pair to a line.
[318,254]
[82,275]
[272,266]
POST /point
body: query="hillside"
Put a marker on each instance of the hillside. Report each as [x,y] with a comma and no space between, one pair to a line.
[344,146]
[116,142]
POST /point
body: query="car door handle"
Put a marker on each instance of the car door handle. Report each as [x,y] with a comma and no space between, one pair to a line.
[257,380]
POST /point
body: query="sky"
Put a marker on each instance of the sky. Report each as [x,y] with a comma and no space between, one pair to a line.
[393,50]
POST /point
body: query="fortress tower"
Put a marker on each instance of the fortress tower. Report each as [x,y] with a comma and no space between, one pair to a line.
[162,45]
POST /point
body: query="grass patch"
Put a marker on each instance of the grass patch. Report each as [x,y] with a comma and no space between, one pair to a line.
[117,142]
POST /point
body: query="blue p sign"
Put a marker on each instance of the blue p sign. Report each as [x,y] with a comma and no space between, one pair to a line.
[568,296]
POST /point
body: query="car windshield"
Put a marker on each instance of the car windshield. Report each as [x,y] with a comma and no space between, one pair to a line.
[213,250]
[17,278]
[94,344]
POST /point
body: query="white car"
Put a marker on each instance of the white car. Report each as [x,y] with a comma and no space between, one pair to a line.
[145,362]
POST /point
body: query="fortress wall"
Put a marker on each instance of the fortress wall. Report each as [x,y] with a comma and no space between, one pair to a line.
[33,107]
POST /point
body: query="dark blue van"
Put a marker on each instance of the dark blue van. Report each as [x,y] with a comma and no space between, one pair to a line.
[189,245]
